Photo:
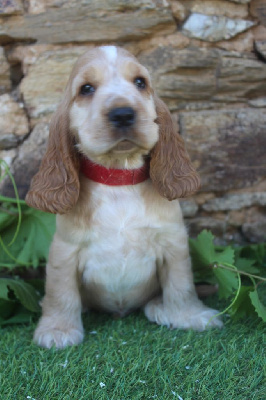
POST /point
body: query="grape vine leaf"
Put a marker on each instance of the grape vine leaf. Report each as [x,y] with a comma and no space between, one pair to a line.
[259,307]
[23,291]
[33,240]
[204,256]
[227,281]
[243,307]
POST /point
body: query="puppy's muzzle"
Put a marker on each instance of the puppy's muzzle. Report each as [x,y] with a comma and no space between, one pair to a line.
[122,117]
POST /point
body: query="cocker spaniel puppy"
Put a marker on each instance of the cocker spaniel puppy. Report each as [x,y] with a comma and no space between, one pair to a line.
[113,162]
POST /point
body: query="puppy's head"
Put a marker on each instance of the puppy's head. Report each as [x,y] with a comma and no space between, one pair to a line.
[110,114]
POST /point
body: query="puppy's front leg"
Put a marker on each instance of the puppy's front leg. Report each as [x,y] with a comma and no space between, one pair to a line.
[179,306]
[60,324]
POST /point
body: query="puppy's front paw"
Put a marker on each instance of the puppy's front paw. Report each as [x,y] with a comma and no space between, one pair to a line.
[59,337]
[197,316]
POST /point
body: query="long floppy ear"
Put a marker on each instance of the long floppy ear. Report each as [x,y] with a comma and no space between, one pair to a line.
[171,170]
[55,188]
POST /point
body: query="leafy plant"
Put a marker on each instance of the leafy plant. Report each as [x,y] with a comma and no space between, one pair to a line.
[22,246]
[233,269]
[25,236]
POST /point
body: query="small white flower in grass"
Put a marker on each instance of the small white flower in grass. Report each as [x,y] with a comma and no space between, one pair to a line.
[97,355]
[142,381]
[93,332]
[186,346]
[188,367]
[65,364]
[175,394]
[112,370]
[124,342]
[102,384]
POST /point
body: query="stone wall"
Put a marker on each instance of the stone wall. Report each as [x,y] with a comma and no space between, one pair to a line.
[208,62]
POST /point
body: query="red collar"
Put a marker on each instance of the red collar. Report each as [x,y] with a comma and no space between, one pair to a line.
[114,177]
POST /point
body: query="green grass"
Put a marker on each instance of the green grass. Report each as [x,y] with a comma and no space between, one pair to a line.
[135,359]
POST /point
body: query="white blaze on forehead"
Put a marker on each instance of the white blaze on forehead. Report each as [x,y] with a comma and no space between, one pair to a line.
[110,52]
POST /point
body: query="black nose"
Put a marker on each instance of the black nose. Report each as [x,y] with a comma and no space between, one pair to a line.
[122,117]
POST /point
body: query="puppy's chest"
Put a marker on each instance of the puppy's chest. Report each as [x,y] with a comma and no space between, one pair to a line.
[121,250]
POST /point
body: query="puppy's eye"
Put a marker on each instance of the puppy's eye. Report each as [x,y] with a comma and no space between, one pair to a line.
[87,89]
[140,82]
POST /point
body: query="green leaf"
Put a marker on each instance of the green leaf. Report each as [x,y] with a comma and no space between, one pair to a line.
[227,280]
[3,289]
[204,254]
[21,316]
[246,265]
[225,256]
[259,307]
[7,308]
[24,292]
[243,306]
[33,240]
[202,249]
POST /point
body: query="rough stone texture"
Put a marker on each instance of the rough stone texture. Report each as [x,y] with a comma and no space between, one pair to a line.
[216,7]
[5,83]
[11,7]
[217,226]
[42,88]
[179,11]
[235,201]
[240,1]
[94,21]
[189,207]
[260,47]
[227,147]
[258,10]
[27,162]
[244,42]
[260,102]
[13,122]
[7,156]
[240,77]
[255,232]
[205,75]
[214,28]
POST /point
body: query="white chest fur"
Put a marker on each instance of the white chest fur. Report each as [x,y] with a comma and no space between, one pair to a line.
[122,245]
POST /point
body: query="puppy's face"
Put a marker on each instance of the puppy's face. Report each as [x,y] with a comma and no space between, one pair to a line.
[112,111]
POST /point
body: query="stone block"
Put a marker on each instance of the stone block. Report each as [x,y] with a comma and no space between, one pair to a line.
[11,7]
[217,7]
[258,10]
[27,161]
[189,207]
[5,83]
[260,47]
[203,77]
[43,86]
[13,122]
[235,201]
[90,21]
[227,147]
[181,75]
[213,28]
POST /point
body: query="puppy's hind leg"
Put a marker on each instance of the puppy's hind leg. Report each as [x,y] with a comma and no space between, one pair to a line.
[179,306]
[60,324]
